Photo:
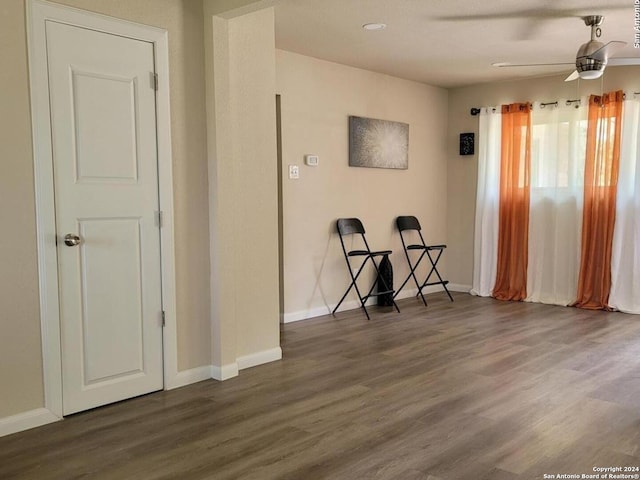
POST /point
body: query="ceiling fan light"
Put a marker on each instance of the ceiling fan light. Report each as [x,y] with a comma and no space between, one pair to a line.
[590,74]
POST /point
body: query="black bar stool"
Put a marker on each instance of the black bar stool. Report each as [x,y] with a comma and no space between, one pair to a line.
[353,226]
[406,224]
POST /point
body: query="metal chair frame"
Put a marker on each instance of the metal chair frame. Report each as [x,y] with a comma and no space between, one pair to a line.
[353,226]
[405,223]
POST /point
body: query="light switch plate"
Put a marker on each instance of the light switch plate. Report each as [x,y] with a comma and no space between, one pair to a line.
[312,160]
[294,172]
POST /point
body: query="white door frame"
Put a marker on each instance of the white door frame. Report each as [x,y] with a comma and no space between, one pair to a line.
[38,12]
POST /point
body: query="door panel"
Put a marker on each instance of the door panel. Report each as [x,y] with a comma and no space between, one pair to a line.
[106,323]
[99,157]
[106,192]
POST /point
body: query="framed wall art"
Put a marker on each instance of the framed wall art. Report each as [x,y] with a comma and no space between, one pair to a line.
[377,143]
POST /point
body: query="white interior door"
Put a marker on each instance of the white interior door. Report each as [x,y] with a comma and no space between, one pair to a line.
[103,118]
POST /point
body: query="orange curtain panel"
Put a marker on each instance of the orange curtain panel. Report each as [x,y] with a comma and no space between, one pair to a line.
[513,229]
[600,187]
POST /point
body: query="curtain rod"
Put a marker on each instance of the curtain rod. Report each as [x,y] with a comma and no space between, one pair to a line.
[476,110]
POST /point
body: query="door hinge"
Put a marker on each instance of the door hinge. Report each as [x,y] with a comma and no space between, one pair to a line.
[159,218]
[163,319]
[154,81]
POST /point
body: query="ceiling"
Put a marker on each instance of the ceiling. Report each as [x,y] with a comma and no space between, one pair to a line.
[450,43]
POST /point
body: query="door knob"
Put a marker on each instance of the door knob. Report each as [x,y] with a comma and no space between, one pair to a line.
[71,240]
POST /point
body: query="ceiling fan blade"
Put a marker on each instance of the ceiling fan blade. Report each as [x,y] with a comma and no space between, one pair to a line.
[574,76]
[605,52]
[624,61]
[503,65]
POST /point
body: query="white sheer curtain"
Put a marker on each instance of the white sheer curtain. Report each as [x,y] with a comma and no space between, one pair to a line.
[625,261]
[555,218]
[485,248]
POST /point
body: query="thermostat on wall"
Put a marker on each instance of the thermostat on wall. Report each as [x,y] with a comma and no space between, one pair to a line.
[311,160]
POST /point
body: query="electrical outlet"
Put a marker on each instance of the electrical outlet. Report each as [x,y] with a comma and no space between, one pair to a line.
[294,172]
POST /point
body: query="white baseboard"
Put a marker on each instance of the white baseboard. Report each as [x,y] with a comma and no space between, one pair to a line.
[413,292]
[323,310]
[187,377]
[259,358]
[305,314]
[459,287]
[224,372]
[26,420]
[354,304]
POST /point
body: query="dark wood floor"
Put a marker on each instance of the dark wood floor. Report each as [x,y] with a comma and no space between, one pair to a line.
[475,389]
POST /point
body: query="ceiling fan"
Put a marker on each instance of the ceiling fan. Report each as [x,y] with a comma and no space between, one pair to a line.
[592,57]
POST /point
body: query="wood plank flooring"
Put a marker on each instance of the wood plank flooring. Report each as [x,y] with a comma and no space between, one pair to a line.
[475,389]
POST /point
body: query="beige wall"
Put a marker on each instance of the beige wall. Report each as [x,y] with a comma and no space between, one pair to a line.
[240,58]
[20,351]
[317,99]
[253,127]
[462,174]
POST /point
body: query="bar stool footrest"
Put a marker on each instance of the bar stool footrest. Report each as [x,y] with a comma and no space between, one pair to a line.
[444,282]
[377,294]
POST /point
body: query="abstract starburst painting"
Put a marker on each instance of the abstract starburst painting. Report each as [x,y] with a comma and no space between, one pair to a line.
[378,143]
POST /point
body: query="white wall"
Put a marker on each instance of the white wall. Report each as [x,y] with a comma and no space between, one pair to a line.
[463,170]
[317,99]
